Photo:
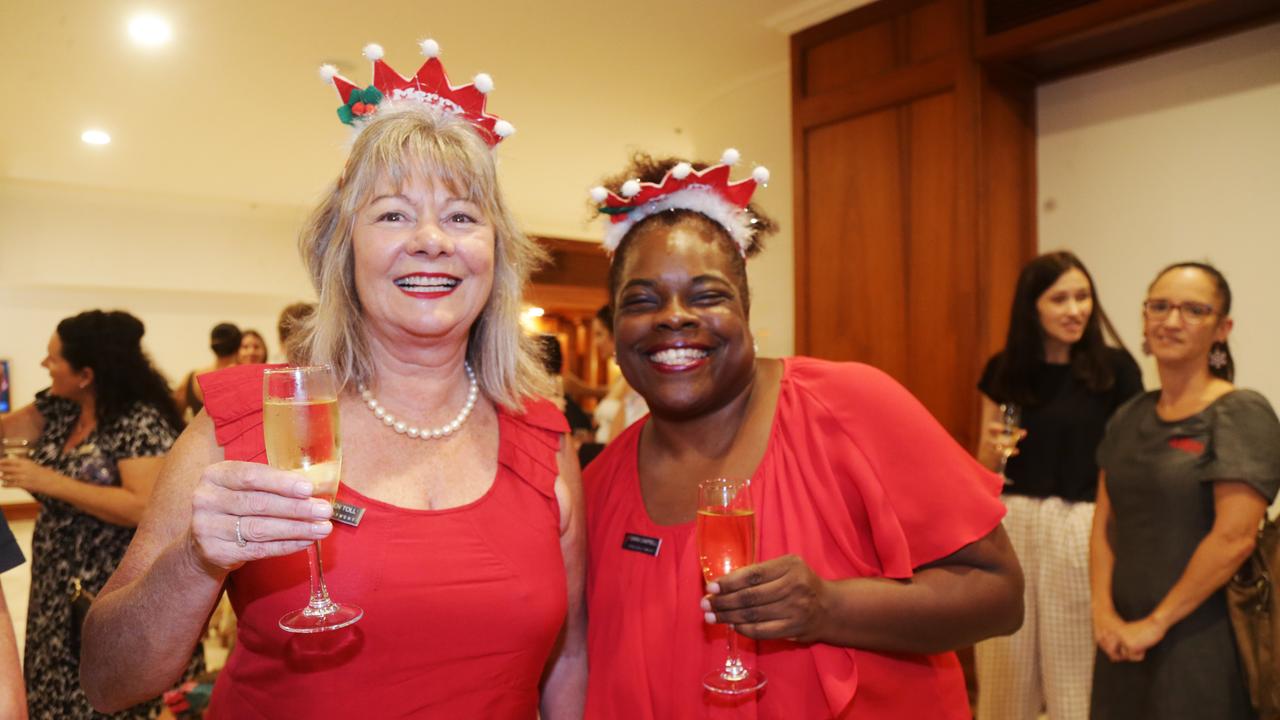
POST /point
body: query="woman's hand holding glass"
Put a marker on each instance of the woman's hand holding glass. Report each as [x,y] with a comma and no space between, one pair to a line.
[274,511]
[1004,434]
[22,472]
[778,598]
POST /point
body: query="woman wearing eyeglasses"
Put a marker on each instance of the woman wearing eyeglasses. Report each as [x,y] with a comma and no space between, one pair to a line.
[1187,472]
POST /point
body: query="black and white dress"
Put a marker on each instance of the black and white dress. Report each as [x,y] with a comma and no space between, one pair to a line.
[70,543]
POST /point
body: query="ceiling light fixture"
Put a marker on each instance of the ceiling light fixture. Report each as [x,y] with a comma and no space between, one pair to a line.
[95,137]
[150,30]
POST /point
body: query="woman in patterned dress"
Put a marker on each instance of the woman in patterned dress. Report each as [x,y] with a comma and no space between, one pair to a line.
[98,435]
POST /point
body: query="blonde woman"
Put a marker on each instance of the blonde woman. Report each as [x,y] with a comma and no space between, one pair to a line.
[468,559]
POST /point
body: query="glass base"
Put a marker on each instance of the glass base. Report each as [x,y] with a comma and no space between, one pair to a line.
[308,620]
[722,683]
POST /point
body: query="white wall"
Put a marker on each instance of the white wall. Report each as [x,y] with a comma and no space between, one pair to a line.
[180,264]
[1174,157]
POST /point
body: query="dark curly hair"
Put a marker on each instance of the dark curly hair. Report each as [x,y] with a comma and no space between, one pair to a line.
[648,169]
[111,344]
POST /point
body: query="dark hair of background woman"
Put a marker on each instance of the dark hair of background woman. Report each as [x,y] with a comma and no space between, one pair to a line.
[1024,345]
[1228,371]
[648,169]
[111,344]
[224,340]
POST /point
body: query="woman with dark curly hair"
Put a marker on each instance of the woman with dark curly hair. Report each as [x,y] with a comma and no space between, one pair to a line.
[98,436]
[880,546]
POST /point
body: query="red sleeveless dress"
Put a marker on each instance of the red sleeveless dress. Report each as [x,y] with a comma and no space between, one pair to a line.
[462,606]
[860,481]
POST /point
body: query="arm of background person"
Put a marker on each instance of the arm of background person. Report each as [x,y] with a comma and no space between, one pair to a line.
[1102,563]
[121,505]
[13,695]
[142,628]
[26,423]
[564,687]
[970,595]
[1238,510]
[575,386]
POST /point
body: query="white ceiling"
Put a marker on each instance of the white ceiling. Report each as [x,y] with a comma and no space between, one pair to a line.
[234,109]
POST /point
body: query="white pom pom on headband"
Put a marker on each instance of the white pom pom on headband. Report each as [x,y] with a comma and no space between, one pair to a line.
[430,86]
[707,192]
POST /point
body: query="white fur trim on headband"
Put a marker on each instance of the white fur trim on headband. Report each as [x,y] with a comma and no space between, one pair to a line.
[732,218]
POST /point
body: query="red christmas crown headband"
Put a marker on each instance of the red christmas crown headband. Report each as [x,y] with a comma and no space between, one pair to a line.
[707,192]
[430,86]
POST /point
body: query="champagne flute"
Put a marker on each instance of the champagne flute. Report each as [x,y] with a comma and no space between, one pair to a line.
[300,423]
[726,542]
[1011,420]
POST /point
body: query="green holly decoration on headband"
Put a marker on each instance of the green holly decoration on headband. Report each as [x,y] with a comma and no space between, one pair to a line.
[359,104]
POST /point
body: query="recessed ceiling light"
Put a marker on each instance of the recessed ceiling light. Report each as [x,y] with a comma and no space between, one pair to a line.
[150,30]
[95,137]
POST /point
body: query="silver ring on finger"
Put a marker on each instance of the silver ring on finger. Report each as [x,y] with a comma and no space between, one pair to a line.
[240,541]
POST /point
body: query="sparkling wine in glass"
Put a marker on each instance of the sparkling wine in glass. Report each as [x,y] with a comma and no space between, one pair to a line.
[1011,426]
[726,542]
[300,424]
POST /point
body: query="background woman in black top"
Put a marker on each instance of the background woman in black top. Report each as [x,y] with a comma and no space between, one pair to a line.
[1059,369]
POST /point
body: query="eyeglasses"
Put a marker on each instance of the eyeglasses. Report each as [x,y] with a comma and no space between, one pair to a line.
[1193,313]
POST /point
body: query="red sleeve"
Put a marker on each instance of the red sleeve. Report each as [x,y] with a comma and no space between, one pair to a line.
[233,400]
[530,443]
[925,496]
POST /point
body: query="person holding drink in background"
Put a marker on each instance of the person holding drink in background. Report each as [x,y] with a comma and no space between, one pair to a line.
[458,534]
[878,540]
[1046,398]
[89,449]
[1187,473]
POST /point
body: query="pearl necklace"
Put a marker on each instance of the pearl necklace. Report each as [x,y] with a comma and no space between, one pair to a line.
[412,431]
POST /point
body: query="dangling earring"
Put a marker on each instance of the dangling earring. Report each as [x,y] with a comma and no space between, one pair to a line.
[755,347]
[1218,356]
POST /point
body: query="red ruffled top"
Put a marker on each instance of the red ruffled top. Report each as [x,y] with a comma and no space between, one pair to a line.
[860,481]
[462,605]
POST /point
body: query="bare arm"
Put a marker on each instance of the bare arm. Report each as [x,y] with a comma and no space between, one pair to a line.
[26,423]
[970,595]
[13,695]
[1238,510]
[564,687]
[1102,562]
[142,628]
[121,505]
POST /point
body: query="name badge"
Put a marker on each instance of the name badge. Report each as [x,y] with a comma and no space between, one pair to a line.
[641,544]
[347,514]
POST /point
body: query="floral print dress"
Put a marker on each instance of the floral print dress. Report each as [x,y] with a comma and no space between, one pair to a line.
[69,543]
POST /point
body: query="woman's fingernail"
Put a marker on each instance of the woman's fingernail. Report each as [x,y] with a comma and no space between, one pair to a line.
[706,604]
[710,618]
[321,509]
[302,487]
[321,528]
[713,588]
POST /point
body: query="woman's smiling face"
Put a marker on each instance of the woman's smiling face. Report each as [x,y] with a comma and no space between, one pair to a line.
[680,325]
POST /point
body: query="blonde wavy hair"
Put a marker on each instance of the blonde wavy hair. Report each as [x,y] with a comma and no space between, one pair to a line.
[403,141]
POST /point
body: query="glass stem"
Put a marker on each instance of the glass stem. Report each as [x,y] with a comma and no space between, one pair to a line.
[733,669]
[320,604]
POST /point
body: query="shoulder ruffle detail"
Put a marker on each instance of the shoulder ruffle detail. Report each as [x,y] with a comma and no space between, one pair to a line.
[924,495]
[531,442]
[233,400]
